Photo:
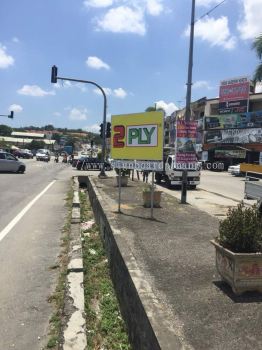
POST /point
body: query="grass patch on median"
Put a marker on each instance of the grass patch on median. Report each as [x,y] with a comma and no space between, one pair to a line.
[105,326]
[58,297]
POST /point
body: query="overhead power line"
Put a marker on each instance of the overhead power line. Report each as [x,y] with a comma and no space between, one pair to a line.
[208,12]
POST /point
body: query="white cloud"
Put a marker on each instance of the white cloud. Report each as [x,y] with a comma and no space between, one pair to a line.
[16,108]
[119,92]
[169,108]
[5,59]
[68,84]
[215,31]
[78,114]
[107,91]
[123,19]
[202,84]
[250,25]
[96,63]
[92,128]
[34,90]
[154,7]
[207,3]
[98,3]
[15,39]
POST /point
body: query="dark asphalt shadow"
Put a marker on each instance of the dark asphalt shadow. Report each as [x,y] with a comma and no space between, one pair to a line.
[247,297]
[140,217]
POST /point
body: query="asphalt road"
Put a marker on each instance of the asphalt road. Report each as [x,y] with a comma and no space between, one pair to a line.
[31,218]
[216,193]
[223,183]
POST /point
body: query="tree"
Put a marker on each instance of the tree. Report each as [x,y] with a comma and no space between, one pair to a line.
[5,130]
[151,109]
[257,46]
[36,144]
[49,127]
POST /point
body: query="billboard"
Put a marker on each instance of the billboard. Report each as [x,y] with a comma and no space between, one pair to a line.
[137,136]
[234,95]
[250,135]
[186,133]
[232,121]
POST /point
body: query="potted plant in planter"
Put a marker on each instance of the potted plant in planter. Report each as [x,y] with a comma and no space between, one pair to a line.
[239,249]
[124,177]
[147,196]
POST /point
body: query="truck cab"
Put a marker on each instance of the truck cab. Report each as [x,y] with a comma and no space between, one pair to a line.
[173,176]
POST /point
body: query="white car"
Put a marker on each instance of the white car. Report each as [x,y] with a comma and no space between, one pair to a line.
[43,154]
[10,163]
[235,170]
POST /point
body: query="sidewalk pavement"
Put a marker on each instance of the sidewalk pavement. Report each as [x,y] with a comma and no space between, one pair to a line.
[178,262]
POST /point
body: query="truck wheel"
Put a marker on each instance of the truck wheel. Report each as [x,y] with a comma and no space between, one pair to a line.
[158,178]
[168,182]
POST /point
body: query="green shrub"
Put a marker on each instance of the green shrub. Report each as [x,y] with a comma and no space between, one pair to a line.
[241,230]
[124,172]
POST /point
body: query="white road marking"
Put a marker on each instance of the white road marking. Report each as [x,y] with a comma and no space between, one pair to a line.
[19,216]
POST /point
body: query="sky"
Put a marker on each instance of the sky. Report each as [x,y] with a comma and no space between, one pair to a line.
[136,50]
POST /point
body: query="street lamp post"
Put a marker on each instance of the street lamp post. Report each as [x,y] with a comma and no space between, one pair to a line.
[188,94]
[54,79]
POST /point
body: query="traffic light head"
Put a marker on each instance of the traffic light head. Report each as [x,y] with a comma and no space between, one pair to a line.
[54,75]
[101,130]
[11,115]
[108,130]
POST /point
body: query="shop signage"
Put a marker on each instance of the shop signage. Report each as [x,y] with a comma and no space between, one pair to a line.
[229,153]
[240,106]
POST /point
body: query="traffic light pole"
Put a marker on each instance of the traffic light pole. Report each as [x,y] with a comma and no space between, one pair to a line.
[11,115]
[54,79]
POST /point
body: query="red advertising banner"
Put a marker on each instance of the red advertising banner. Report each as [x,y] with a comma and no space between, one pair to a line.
[186,144]
[234,90]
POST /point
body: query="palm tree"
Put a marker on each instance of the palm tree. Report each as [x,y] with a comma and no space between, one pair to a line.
[257,46]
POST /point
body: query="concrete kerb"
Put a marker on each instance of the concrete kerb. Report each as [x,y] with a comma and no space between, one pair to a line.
[75,329]
[147,319]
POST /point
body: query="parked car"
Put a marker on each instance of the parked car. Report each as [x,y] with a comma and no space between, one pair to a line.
[27,154]
[86,163]
[9,163]
[23,153]
[235,170]
[43,155]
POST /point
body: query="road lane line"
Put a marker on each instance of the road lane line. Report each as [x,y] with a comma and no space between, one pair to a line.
[19,216]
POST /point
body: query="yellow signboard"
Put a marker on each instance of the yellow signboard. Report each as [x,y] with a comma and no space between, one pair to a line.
[137,136]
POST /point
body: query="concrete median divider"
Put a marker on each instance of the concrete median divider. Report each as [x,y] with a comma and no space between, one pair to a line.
[147,319]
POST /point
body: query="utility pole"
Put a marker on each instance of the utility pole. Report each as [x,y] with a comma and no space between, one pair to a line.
[188,94]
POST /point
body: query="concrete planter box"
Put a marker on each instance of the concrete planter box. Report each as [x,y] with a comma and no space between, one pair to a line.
[242,271]
[147,199]
[124,181]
